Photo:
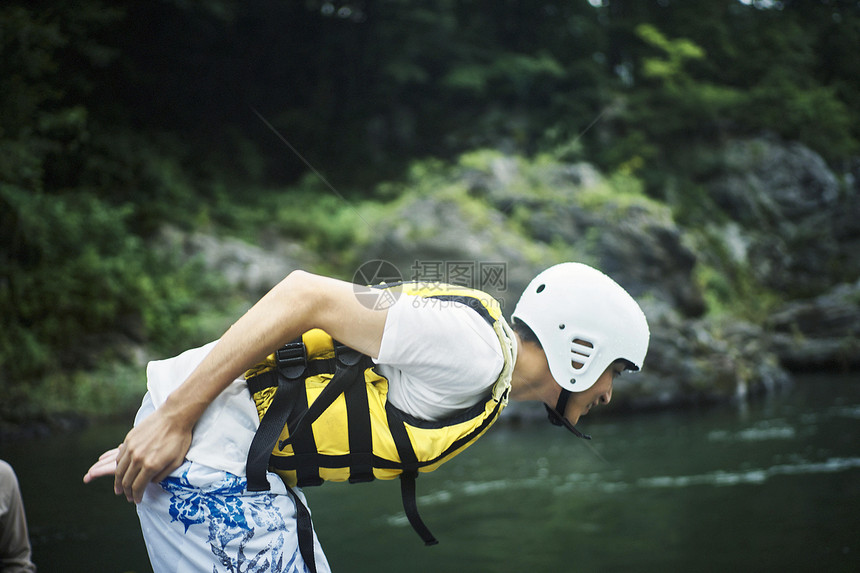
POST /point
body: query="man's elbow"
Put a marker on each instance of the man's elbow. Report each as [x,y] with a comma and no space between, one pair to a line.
[295,279]
[305,296]
[298,285]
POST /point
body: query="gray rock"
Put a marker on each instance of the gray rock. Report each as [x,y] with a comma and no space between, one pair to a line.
[446,239]
[789,211]
[647,255]
[569,212]
[821,332]
[531,218]
[699,361]
[768,183]
[251,269]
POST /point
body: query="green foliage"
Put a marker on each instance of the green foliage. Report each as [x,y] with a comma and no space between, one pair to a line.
[110,388]
[43,118]
[669,67]
[70,257]
[73,274]
[520,71]
[729,286]
[705,73]
[814,115]
[76,275]
[153,172]
[325,223]
[105,135]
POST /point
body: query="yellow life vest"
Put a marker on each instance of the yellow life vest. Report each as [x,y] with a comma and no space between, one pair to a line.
[324,413]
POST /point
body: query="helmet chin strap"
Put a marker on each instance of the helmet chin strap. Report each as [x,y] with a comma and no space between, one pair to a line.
[556,417]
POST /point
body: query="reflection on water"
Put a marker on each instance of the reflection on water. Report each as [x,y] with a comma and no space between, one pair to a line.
[772,486]
[75,527]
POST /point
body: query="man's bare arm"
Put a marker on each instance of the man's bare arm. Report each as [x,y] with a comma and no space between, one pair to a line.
[300,302]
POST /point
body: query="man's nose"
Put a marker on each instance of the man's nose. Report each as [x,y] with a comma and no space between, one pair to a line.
[606,397]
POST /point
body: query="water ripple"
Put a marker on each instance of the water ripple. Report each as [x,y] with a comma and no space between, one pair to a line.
[753,476]
[613,482]
[759,432]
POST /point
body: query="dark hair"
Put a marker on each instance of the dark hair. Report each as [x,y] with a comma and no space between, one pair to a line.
[525,333]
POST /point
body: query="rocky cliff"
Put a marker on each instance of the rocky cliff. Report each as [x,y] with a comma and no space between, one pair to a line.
[767,283]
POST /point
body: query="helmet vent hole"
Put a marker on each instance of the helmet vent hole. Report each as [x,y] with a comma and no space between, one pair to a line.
[581,353]
[540,288]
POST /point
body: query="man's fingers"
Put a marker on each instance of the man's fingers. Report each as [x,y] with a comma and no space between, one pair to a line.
[99,469]
[122,468]
[113,454]
[129,479]
[105,466]
[167,471]
[138,474]
[139,486]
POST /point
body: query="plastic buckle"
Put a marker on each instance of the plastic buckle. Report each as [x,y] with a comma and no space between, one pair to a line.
[346,355]
[292,359]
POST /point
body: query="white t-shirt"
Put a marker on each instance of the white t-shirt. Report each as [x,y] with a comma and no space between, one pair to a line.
[440,357]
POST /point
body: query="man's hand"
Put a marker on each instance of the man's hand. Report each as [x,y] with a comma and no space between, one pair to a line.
[150,451]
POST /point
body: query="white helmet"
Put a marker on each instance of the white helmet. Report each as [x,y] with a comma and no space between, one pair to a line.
[584,321]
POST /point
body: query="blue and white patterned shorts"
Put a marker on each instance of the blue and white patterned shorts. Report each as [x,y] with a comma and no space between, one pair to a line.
[201,519]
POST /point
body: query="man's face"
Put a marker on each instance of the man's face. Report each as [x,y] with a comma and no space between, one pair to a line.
[580,403]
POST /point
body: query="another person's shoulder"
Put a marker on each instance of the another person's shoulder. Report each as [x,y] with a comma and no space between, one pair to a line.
[6,471]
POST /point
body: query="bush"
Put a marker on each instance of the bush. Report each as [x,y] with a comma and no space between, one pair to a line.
[75,279]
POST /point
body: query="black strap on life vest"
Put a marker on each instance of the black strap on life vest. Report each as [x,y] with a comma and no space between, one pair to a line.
[359,432]
[469,301]
[305,530]
[342,379]
[407,478]
[303,443]
[290,375]
[348,379]
[292,369]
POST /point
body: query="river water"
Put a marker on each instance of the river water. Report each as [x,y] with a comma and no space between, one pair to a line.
[770,486]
